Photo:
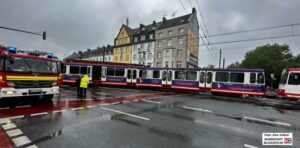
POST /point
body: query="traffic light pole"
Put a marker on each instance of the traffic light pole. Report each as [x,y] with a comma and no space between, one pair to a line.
[23,31]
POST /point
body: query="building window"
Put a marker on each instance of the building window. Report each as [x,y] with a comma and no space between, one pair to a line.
[135,39]
[179,53]
[173,54]
[149,56]
[166,64]
[159,44]
[158,55]
[134,48]
[170,32]
[142,46]
[158,64]
[116,58]
[167,53]
[127,57]
[178,64]
[143,37]
[134,57]
[160,34]
[169,42]
[180,30]
[180,41]
[150,45]
[150,36]
[121,58]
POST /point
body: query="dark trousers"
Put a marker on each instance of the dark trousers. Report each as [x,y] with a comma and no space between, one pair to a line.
[82,92]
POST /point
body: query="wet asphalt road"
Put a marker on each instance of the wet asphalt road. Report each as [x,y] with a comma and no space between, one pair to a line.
[141,118]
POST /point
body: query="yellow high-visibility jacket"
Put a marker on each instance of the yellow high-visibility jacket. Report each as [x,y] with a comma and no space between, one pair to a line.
[84,81]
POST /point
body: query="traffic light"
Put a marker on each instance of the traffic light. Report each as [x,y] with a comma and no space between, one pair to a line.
[44,35]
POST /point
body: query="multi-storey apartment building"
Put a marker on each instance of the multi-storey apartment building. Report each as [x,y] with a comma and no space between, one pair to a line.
[177,42]
[143,44]
[122,51]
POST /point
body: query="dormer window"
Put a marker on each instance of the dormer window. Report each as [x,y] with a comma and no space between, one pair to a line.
[143,37]
[150,36]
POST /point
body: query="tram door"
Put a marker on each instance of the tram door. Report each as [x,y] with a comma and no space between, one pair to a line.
[166,77]
[205,79]
[131,75]
[103,74]
[96,73]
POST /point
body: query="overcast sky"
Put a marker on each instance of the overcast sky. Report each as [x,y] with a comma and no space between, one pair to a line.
[74,25]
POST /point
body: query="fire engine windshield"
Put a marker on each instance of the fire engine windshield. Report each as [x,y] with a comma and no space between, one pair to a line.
[28,65]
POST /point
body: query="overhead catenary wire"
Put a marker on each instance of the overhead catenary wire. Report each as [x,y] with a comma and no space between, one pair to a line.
[182,6]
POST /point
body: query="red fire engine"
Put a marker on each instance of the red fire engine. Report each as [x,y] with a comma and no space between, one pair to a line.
[28,73]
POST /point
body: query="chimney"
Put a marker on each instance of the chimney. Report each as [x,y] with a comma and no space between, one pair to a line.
[194,10]
[154,23]
[164,19]
[127,22]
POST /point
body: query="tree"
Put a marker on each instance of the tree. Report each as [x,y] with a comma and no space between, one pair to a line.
[210,66]
[234,65]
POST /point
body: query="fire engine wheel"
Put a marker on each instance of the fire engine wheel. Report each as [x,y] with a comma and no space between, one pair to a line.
[47,97]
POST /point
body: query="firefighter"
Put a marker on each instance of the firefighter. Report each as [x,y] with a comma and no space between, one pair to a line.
[84,81]
[78,85]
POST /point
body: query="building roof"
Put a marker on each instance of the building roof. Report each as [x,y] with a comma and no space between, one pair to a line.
[147,28]
[89,52]
[175,21]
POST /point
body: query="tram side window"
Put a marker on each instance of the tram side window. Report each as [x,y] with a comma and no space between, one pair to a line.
[74,70]
[134,74]
[155,74]
[110,72]
[83,70]
[191,75]
[169,75]
[202,77]
[252,77]
[237,77]
[284,78]
[143,74]
[260,78]
[180,75]
[222,76]
[120,72]
[294,79]
[209,77]
[128,73]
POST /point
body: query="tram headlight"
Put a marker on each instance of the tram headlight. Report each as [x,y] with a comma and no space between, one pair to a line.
[8,92]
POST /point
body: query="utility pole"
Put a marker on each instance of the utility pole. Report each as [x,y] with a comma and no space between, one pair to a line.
[23,31]
[220,58]
[223,63]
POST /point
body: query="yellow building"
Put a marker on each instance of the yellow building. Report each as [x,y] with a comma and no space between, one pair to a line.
[122,49]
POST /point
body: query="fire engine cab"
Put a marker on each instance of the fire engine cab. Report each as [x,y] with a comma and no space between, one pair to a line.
[28,73]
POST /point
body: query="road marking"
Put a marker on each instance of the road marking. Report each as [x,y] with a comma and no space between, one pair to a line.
[92,106]
[14,132]
[4,108]
[78,108]
[197,109]
[8,126]
[32,146]
[149,101]
[249,146]
[37,114]
[4,120]
[267,121]
[21,141]
[23,106]
[125,113]
[59,111]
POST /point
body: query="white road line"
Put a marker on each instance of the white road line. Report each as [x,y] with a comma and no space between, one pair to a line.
[267,121]
[92,106]
[197,109]
[78,108]
[125,113]
[23,106]
[14,132]
[4,108]
[249,146]
[21,141]
[149,101]
[4,120]
[37,114]
[59,111]
[8,126]
[32,146]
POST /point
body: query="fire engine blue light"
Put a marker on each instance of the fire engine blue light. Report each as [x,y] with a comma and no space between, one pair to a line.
[12,49]
[50,55]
